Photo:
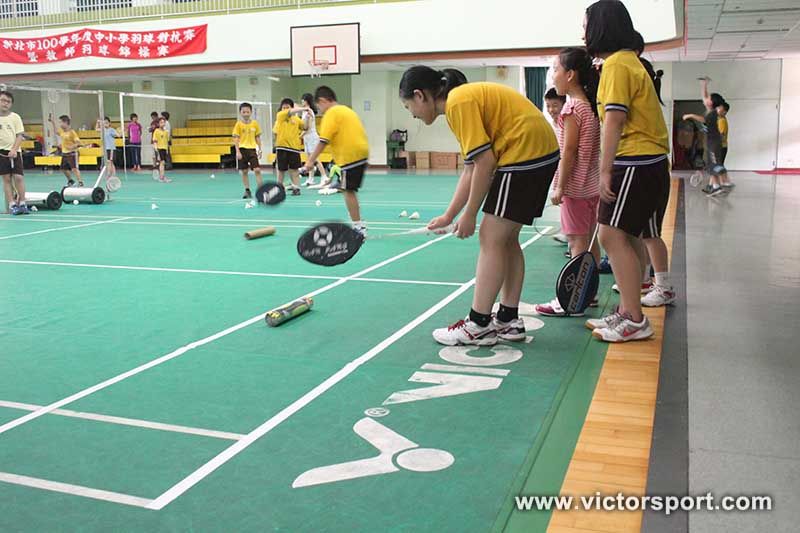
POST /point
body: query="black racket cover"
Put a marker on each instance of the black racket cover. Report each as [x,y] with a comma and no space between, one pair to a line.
[577,283]
[270,193]
[329,244]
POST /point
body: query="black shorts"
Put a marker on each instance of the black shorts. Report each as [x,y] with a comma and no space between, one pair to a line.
[5,164]
[724,154]
[69,161]
[519,192]
[353,175]
[249,159]
[110,155]
[715,161]
[642,194]
[161,155]
[288,159]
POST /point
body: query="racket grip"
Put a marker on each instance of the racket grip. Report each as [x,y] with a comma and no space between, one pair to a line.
[441,231]
[279,315]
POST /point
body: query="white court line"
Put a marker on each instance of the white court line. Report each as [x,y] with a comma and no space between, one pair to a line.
[196,344]
[133,221]
[229,453]
[210,219]
[123,421]
[62,228]
[224,272]
[75,490]
[376,226]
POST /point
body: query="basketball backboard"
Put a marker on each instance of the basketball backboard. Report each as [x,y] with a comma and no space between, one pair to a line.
[328,49]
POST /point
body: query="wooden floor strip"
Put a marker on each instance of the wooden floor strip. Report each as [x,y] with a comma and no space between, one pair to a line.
[613,449]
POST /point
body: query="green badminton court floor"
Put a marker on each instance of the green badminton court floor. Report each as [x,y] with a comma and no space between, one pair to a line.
[140,389]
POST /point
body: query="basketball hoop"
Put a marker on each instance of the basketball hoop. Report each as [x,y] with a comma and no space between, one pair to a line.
[319,67]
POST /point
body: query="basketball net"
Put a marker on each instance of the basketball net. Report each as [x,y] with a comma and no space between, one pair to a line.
[318,68]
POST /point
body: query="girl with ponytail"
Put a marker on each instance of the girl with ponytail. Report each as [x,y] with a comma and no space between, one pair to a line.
[510,155]
[577,182]
[634,167]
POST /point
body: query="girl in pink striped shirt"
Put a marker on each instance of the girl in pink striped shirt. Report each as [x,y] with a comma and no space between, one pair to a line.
[576,186]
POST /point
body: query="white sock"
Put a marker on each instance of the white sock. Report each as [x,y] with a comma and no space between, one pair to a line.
[662,280]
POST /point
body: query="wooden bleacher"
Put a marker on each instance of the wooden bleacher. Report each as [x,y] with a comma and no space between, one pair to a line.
[203,141]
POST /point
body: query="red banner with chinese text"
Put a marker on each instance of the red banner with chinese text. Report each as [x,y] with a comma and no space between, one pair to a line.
[102,43]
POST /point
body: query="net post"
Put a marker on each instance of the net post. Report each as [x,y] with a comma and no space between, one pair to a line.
[124,137]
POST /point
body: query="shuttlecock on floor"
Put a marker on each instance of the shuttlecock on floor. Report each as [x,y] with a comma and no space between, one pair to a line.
[213,176]
[403,213]
[318,203]
[248,205]
[153,207]
[413,216]
[34,208]
[75,202]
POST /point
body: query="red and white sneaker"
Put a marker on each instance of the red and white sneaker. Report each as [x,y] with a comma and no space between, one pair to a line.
[659,297]
[513,330]
[466,332]
[553,308]
[606,322]
[625,330]
[647,286]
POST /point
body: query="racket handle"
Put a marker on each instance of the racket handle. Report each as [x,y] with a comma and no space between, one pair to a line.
[279,315]
[440,231]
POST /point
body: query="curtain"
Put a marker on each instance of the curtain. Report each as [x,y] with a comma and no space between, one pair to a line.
[536,85]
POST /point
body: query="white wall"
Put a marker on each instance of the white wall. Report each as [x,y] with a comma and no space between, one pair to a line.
[753,88]
[386,28]
[789,132]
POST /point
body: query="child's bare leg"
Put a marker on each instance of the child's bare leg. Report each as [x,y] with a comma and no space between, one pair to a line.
[19,184]
[8,191]
[353,207]
[259,180]
[294,174]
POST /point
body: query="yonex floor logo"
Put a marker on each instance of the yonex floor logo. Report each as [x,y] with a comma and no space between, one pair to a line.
[395,453]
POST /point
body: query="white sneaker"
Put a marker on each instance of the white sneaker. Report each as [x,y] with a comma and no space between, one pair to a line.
[626,330]
[606,322]
[513,330]
[466,332]
[362,229]
[309,181]
[659,297]
[560,237]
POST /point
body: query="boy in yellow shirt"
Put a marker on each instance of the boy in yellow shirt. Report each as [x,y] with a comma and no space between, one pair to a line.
[343,131]
[160,147]
[11,171]
[722,124]
[247,140]
[70,142]
[288,132]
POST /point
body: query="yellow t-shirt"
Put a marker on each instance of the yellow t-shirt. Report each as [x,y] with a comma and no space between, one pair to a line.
[10,127]
[489,116]
[343,131]
[161,139]
[626,86]
[288,131]
[722,125]
[69,141]
[247,133]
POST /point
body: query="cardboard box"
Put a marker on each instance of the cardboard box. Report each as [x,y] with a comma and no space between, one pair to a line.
[423,160]
[443,160]
[411,160]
